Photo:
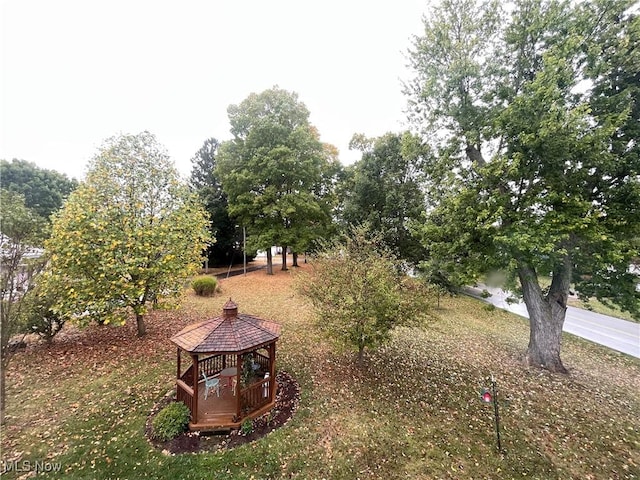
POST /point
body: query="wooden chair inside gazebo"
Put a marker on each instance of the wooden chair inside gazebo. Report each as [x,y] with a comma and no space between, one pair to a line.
[237,350]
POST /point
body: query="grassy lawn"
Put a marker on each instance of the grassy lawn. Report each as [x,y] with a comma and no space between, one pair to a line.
[596,306]
[413,411]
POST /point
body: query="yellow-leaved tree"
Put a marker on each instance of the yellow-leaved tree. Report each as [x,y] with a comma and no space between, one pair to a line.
[131,233]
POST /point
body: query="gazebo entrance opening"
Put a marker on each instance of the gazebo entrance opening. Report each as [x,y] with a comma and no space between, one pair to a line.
[226,369]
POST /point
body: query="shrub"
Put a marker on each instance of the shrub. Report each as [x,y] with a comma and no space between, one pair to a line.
[247,427]
[47,326]
[489,307]
[37,314]
[357,290]
[205,286]
[171,421]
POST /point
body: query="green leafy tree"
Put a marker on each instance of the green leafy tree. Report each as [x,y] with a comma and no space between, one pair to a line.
[21,230]
[386,190]
[532,175]
[359,292]
[276,172]
[613,65]
[130,234]
[44,190]
[441,275]
[223,227]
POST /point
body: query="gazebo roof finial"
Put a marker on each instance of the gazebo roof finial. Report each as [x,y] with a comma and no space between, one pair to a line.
[230,309]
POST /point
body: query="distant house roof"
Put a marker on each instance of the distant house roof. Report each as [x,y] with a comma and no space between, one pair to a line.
[230,332]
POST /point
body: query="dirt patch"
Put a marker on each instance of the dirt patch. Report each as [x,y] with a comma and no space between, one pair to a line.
[287,400]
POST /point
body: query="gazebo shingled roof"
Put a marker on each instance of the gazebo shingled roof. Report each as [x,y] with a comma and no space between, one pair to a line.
[231,332]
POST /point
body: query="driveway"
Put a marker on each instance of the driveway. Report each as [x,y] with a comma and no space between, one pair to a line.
[620,335]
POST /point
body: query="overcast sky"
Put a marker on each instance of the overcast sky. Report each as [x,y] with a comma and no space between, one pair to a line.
[76,72]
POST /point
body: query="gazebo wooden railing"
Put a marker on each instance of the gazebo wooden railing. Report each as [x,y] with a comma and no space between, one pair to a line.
[184,393]
[262,361]
[256,395]
[213,365]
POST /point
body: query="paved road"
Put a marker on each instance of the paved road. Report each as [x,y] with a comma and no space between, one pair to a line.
[260,263]
[620,335]
[235,272]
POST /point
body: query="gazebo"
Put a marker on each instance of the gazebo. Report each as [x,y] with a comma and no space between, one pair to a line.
[231,375]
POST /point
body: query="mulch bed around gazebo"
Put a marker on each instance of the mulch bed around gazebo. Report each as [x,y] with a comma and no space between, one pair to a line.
[286,403]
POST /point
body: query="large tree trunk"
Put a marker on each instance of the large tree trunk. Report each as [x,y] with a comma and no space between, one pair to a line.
[269,262]
[3,398]
[6,354]
[284,258]
[546,315]
[142,329]
[295,259]
[360,357]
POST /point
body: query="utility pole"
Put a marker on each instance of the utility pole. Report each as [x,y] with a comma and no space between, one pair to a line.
[244,247]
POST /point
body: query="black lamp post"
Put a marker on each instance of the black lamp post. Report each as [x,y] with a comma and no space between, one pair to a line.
[490,395]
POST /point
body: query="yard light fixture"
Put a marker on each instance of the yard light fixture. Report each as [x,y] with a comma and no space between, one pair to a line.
[490,395]
[485,395]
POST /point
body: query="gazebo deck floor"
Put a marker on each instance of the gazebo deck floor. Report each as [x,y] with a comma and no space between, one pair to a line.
[216,412]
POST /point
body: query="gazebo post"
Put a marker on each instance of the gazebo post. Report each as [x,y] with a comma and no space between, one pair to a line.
[238,387]
[178,368]
[272,371]
[196,376]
